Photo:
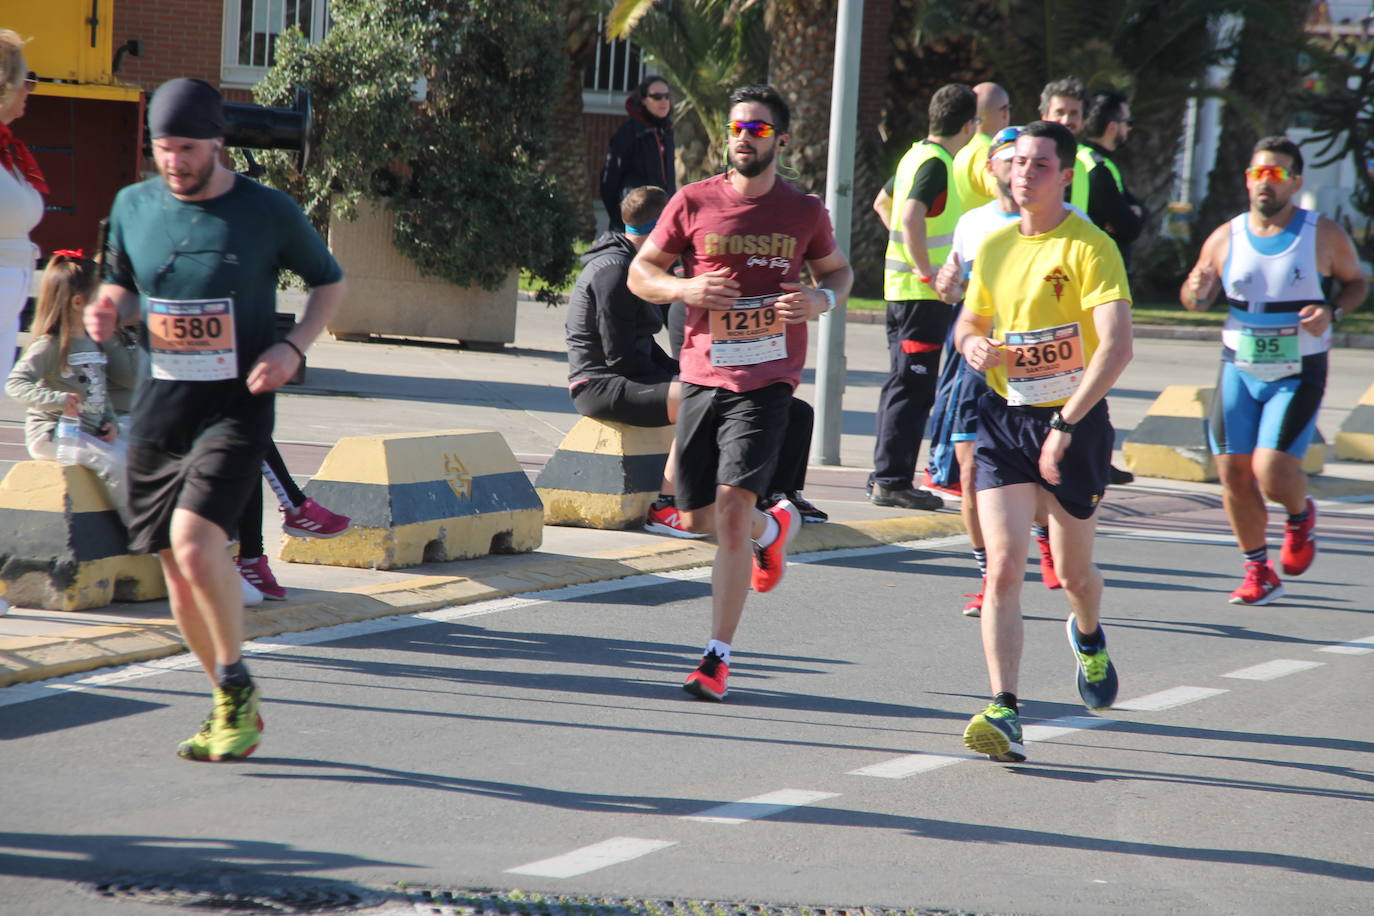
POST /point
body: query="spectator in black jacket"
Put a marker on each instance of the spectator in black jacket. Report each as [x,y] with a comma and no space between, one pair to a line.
[618,372]
[641,150]
[1113,208]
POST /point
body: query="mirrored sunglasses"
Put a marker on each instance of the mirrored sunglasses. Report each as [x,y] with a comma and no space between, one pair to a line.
[1268,173]
[761,129]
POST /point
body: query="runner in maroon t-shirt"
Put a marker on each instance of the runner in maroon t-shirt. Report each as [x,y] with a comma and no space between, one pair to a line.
[742,237]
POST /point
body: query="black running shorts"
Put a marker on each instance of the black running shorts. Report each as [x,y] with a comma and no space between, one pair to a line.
[728,437]
[209,468]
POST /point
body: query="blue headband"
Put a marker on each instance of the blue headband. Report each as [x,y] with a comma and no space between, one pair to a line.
[642,228]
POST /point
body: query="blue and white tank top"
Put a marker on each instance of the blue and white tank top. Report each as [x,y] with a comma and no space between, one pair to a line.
[1267,281]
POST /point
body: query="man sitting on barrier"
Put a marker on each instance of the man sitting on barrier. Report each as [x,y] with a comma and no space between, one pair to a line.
[618,372]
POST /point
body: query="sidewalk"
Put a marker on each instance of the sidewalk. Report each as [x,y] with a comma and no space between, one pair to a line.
[374,388]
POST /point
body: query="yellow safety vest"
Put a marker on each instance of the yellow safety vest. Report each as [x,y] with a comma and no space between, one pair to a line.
[1088,159]
[900,279]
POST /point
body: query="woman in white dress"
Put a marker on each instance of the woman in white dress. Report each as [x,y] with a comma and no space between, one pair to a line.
[21,196]
[21,201]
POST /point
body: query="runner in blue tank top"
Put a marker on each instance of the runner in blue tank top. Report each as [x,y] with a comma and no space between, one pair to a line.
[1274,264]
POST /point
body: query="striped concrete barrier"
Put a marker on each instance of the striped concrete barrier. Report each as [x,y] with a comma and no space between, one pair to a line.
[1355,440]
[604,475]
[422,498]
[62,547]
[1171,441]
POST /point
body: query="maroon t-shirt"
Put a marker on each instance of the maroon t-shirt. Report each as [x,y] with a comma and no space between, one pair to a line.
[764,241]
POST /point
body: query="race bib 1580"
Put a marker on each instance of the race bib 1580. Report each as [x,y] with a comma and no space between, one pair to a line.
[192,340]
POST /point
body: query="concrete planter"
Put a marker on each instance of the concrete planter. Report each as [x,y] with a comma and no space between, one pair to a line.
[388,296]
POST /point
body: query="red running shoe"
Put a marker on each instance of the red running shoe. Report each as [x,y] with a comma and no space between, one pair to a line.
[257,574]
[664,519]
[1261,586]
[770,561]
[975,606]
[1047,573]
[1299,544]
[311,520]
[952,491]
[707,682]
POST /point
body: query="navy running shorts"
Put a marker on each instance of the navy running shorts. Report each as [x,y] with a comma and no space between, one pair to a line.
[1008,452]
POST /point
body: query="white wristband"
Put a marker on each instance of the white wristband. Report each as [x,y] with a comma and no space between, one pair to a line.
[830,295]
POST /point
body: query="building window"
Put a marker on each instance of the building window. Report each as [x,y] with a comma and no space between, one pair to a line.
[251,29]
[614,70]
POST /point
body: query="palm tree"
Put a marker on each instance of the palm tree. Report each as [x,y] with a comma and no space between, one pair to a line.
[567,157]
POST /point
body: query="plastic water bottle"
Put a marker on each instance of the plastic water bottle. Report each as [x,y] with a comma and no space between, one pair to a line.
[68,440]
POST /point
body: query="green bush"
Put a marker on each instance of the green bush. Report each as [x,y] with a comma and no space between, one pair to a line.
[462,168]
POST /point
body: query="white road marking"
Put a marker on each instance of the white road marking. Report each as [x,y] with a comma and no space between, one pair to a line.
[1357,647]
[910,765]
[1272,670]
[1169,699]
[1172,537]
[1058,728]
[590,858]
[751,809]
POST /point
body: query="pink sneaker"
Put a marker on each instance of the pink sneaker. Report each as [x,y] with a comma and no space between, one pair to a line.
[257,574]
[312,520]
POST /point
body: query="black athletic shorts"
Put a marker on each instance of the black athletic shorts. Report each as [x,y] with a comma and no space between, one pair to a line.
[208,465]
[1008,452]
[728,437]
[622,400]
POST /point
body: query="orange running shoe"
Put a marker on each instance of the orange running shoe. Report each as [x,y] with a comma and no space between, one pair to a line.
[1299,544]
[975,606]
[770,561]
[707,682]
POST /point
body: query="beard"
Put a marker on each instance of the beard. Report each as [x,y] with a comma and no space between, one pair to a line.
[1269,206]
[198,180]
[756,166]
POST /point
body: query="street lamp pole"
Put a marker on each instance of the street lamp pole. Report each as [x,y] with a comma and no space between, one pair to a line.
[839,199]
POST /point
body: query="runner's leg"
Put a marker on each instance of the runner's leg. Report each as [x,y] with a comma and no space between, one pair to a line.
[1005,514]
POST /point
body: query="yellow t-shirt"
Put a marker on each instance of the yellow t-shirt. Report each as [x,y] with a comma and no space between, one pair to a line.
[975,186]
[1039,291]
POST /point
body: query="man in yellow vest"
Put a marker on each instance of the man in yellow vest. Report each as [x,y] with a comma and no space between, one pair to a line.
[920,208]
[972,179]
[1113,208]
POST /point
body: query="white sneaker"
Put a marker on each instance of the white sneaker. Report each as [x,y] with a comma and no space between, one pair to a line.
[251,596]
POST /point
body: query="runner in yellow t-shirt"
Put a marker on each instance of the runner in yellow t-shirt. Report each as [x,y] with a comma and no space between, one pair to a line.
[1054,288]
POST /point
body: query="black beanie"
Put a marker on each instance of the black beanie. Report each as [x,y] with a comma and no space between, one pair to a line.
[186,108]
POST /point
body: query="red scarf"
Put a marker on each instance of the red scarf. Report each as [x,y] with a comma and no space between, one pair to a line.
[15,156]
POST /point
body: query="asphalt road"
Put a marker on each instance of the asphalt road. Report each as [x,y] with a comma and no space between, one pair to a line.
[542,743]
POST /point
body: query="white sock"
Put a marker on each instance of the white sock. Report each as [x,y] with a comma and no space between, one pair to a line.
[720,648]
[771,530]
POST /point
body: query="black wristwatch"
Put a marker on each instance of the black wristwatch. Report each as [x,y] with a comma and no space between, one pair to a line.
[1058,422]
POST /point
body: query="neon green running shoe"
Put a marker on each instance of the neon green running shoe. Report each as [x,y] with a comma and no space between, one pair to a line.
[1097,680]
[231,732]
[996,731]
